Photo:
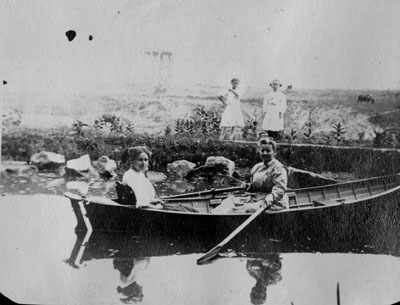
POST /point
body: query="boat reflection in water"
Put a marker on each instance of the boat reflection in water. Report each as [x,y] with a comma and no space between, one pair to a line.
[136,261]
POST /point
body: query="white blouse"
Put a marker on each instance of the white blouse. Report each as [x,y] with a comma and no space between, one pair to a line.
[144,190]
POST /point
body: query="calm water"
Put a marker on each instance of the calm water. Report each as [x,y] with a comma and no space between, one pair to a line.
[45,262]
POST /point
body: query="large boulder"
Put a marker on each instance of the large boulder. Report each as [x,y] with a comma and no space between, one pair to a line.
[81,187]
[106,167]
[56,183]
[180,168]
[81,167]
[227,166]
[156,176]
[298,178]
[214,166]
[18,167]
[46,160]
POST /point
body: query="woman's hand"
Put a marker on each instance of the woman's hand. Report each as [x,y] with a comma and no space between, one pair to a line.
[245,186]
[269,200]
[222,99]
[157,204]
[234,92]
[249,207]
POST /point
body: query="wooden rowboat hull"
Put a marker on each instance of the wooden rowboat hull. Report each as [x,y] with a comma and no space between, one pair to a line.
[366,211]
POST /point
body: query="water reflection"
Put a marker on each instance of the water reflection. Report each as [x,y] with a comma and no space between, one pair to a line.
[130,290]
[262,274]
[103,245]
[52,183]
[37,238]
[266,272]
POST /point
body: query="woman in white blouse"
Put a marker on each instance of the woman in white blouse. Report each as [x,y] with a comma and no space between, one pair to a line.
[274,106]
[135,177]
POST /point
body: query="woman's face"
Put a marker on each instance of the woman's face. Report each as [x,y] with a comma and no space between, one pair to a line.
[275,86]
[141,163]
[267,152]
[235,84]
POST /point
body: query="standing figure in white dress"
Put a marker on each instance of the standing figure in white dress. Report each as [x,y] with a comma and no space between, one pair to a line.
[274,105]
[232,119]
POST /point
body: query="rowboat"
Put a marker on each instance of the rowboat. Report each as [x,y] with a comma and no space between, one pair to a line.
[329,214]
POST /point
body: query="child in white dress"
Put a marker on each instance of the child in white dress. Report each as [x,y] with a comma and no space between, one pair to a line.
[232,119]
[274,105]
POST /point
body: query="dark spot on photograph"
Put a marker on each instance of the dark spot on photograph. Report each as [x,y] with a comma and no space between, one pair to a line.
[70,35]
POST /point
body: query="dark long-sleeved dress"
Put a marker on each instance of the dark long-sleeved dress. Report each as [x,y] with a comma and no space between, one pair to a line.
[270,179]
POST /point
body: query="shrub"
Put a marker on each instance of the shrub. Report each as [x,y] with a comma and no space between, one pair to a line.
[250,129]
[363,162]
[11,119]
[338,132]
[204,122]
[292,136]
[308,134]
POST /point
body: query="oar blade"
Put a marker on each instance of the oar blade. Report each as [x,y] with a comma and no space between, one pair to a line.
[209,255]
[214,251]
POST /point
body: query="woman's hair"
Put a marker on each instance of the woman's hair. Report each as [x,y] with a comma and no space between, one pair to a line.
[275,81]
[267,141]
[132,153]
[234,79]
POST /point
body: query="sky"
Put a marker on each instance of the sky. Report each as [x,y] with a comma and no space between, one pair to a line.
[349,44]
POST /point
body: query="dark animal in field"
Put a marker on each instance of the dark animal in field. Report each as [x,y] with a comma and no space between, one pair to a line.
[367,98]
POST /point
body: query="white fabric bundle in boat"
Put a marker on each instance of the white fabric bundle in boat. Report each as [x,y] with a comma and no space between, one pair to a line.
[229,203]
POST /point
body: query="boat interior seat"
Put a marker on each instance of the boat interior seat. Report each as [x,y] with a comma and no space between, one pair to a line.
[126,195]
[292,198]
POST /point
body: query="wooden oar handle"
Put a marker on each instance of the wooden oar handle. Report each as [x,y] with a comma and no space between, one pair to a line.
[201,193]
[214,251]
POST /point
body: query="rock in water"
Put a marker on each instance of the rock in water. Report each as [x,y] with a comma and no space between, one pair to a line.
[82,187]
[298,178]
[156,176]
[214,166]
[228,166]
[18,167]
[46,160]
[106,167]
[81,167]
[180,167]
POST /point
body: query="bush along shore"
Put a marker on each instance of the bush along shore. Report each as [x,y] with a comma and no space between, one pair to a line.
[362,162]
[194,140]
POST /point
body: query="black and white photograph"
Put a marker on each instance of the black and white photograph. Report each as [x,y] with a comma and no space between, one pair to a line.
[173,152]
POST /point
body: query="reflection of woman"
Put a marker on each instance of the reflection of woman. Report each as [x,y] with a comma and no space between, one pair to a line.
[129,288]
[266,272]
[274,105]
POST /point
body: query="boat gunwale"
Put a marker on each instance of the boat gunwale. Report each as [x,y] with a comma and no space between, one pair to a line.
[328,203]
[341,183]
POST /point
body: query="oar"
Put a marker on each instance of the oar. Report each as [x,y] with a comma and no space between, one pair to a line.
[202,193]
[214,251]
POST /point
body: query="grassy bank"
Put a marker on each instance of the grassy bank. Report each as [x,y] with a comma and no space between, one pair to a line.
[313,115]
